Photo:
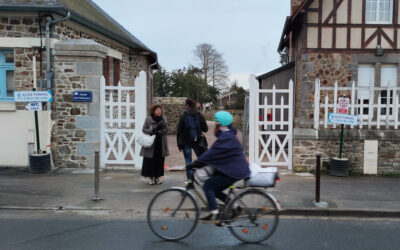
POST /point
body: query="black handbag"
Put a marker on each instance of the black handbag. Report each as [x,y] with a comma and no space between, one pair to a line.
[202,143]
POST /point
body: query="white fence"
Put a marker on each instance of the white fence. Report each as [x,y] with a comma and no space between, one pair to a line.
[376,107]
[270,140]
[123,111]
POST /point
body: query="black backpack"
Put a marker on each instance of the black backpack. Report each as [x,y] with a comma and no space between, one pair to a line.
[192,123]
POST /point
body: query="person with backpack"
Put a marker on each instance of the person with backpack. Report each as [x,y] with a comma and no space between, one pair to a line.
[189,133]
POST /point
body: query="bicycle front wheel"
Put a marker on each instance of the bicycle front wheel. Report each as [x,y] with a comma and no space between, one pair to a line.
[173,214]
[253,216]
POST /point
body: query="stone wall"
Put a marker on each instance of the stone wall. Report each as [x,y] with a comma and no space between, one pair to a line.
[173,108]
[308,142]
[328,67]
[76,133]
[130,64]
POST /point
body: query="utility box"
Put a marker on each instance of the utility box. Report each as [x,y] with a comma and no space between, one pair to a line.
[370,157]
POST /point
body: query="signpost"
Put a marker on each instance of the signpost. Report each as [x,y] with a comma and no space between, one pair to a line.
[343,118]
[34,98]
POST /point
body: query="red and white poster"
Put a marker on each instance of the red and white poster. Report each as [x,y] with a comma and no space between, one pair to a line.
[343,105]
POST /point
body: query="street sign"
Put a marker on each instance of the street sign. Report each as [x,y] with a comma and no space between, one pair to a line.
[82,96]
[34,106]
[33,96]
[343,105]
[343,119]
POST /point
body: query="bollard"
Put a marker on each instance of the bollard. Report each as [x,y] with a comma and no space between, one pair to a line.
[96,175]
[317,202]
[318,178]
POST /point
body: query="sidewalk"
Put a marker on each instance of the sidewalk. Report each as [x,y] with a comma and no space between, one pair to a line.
[348,196]
[68,189]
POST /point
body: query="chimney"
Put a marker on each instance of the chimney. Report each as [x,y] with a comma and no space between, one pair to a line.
[294,4]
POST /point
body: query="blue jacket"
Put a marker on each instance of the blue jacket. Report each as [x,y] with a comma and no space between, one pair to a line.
[226,156]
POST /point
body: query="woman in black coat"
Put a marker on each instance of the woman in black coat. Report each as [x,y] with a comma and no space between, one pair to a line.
[154,157]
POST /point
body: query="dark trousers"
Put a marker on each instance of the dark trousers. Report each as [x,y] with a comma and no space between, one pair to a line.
[214,187]
[187,153]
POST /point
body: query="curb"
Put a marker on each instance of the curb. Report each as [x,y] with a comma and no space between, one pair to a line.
[295,211]
[303,211]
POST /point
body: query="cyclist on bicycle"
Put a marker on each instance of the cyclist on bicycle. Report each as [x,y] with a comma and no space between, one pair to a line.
[226,157]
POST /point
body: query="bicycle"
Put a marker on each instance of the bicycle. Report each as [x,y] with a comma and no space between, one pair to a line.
[251,215]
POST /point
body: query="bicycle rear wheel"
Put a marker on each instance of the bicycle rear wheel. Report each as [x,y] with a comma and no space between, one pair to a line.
[173,214]
[256,219]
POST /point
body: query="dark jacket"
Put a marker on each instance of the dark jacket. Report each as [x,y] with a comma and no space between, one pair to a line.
[149,125]
[226,156]
[182,131]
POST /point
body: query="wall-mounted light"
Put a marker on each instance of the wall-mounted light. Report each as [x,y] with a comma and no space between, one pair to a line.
[379,50]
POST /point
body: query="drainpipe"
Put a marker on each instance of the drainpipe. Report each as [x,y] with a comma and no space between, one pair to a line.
[149,82]
[49,72]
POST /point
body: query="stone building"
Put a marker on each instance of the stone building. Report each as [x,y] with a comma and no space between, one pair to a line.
[84,44]
[354,43]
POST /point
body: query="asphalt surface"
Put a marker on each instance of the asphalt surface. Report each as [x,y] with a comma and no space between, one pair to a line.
[66,230]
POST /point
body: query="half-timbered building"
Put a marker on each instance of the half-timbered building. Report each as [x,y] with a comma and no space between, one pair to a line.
[341,48]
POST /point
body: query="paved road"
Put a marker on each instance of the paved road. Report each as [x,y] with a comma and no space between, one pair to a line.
[65,230]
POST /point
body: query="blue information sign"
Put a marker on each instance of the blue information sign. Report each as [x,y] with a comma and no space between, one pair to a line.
[343,119]
[82,96]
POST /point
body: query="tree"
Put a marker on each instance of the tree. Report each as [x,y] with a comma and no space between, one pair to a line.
[213,65]
[240,93]
[189,83]
[162,84]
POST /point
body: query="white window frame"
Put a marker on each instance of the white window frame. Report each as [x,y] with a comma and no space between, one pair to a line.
[389,96]
[366,84]
[377,21]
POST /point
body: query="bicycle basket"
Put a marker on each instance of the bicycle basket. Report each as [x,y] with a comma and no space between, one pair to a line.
[262,177]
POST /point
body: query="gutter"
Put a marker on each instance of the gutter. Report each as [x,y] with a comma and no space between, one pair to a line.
[49,72]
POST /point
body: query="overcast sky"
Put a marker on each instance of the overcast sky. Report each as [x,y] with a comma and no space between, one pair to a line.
[247,32]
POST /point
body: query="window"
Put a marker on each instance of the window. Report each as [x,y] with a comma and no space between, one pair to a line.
[111,70]
[7,85]
[366,75]
[388,78]
[379,11]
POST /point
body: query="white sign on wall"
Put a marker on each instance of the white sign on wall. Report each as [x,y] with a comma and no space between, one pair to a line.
[34,106]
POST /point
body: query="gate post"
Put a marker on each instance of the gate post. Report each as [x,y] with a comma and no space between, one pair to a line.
[140,113]
[78,64]
[253,118]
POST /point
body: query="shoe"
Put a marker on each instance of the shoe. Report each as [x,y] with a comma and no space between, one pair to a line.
[211,218]
[152,181]
[158,181]
[189,184]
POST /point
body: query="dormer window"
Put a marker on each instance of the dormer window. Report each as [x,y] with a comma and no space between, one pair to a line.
[379,11]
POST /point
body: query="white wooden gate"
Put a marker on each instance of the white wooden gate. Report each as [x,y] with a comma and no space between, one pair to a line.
[122,114]
[271,125]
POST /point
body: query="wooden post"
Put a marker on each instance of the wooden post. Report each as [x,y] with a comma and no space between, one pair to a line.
[316,103]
